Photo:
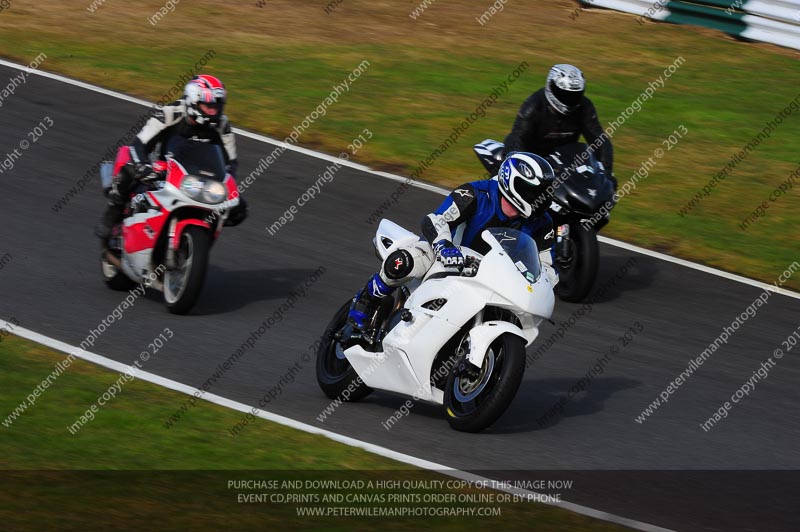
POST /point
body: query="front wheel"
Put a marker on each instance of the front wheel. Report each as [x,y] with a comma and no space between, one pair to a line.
[182,285]
[475,401]
[576,278]
[335,375]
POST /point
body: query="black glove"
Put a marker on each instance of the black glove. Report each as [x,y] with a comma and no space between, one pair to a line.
[145,173]
[448,254]
[237,214]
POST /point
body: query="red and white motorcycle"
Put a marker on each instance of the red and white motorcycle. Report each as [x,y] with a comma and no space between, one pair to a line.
[170,225]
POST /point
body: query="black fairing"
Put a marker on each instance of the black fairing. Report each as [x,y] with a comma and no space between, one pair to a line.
[574,193]
[490,154]
[586,187]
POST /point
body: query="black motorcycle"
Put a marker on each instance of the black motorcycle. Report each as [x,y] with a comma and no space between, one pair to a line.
[581,201]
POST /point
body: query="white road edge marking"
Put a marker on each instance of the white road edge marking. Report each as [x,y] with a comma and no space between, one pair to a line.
[411,182]
[289,422]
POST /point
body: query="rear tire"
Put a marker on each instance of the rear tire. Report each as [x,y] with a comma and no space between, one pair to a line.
[114,277]
[474,404]
[334,372]
[182,285]
[576,281]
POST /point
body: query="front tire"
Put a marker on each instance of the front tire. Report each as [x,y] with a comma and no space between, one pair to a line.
[576,281]
[334,372]
[183,284]
[474,403]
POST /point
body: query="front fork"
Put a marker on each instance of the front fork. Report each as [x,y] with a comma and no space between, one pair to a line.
[170,257]
[176,229]
[564,246]
[464,367]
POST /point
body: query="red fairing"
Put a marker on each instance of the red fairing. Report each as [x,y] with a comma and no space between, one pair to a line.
[230,184]
[181,225]
[141,236]
[123,158]
[154,199]
[175,173]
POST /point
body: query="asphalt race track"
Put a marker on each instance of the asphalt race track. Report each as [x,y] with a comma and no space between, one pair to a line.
[657,472]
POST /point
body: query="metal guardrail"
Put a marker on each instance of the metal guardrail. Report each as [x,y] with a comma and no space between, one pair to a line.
[771,21]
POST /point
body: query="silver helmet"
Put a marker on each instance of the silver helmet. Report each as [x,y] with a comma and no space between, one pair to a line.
[564,88]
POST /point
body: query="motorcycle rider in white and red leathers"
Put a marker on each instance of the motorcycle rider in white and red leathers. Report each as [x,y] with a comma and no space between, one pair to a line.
[199,115]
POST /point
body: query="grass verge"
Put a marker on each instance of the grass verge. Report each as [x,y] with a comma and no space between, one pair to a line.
[124,469]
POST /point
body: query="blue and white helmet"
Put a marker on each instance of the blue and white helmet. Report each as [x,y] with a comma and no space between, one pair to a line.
[564,88]
[524,180]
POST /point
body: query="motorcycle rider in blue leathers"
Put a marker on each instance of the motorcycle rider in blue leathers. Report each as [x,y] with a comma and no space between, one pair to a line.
[517,199]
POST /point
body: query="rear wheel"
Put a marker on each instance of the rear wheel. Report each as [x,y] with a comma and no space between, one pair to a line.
[114,277]
[182,285]
[474,401]
[334,372]
[576,279]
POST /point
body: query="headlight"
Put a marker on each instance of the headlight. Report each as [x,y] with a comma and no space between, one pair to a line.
[205,191]
[214,192]
[192,186]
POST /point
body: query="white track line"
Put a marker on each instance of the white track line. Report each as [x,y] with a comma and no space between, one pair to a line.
[394,177]
[700,267]
[288,422]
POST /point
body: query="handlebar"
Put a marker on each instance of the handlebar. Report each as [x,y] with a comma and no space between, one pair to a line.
[471,265]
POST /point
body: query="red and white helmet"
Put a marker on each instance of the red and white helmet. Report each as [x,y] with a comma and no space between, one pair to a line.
[204,97]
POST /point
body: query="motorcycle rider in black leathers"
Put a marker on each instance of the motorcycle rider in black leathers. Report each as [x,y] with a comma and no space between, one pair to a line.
[199,115]
[559,114]
[518,199]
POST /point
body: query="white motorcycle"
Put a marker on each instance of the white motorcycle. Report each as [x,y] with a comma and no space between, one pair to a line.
[453,338]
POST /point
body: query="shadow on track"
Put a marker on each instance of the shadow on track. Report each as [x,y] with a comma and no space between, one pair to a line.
[532,402]
[536,405]
[230,290]
[617,275]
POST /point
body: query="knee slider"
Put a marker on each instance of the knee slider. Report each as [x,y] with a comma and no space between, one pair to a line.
[398,265]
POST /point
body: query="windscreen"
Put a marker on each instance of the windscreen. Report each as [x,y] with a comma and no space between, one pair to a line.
[201,159]
[521,249]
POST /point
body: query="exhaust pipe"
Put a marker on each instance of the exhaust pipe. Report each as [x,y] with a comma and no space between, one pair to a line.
[113,259]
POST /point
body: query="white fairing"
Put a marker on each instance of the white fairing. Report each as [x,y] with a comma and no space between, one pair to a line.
[390,237]
[482,336]
[410,348]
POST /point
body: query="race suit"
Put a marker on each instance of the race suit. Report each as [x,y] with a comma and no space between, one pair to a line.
[461,218]
[540,129]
